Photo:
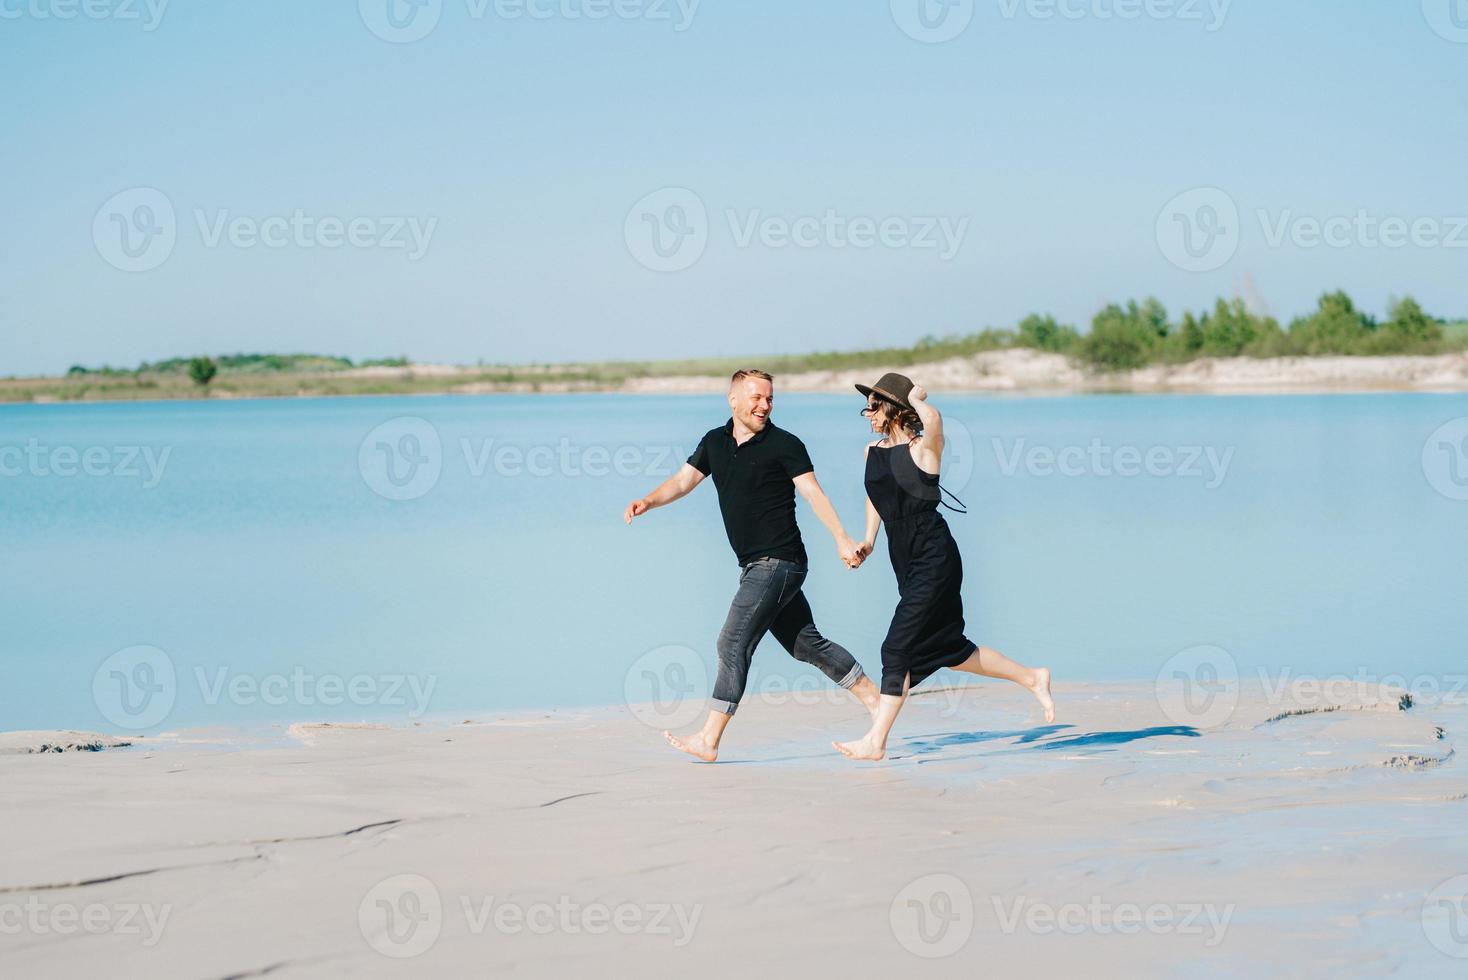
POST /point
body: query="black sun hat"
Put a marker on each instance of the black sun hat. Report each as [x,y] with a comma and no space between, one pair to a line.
[891,387]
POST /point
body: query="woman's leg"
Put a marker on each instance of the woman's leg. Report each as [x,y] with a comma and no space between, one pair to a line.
[872,746]
[991,663]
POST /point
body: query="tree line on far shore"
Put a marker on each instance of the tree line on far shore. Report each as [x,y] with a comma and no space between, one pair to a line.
[197,367]
[1121,337]
[1138,334]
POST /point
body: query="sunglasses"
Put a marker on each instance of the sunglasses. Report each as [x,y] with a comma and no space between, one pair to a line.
[871,408]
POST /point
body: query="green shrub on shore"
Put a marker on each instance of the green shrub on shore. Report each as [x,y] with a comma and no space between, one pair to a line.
[202,371]
[1123,338]
[1042,333]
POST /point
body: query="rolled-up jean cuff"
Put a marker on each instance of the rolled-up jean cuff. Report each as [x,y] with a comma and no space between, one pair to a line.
[852,677]
[724,707]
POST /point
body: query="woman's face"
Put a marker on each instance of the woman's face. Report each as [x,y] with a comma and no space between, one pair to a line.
[876,413]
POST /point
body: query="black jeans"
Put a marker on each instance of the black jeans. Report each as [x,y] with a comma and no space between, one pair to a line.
[769,600]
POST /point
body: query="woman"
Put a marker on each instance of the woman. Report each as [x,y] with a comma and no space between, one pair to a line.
[927,629]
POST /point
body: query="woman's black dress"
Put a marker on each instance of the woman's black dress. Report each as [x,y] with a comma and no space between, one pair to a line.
[927,629]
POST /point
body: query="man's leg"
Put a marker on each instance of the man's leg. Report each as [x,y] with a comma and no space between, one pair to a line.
[795,628]
[762,587]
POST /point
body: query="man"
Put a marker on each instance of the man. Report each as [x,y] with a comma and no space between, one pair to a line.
[757,467]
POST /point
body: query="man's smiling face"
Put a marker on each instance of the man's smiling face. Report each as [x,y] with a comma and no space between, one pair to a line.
[752,400]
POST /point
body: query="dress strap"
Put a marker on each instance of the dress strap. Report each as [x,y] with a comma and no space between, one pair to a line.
[962,507]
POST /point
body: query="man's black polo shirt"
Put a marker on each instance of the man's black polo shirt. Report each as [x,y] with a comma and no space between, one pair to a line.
[756,495]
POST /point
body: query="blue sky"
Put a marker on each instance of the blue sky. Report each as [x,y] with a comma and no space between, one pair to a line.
[519,147]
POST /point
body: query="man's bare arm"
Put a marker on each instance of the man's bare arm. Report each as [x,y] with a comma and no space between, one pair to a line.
[675,487]
[810,489]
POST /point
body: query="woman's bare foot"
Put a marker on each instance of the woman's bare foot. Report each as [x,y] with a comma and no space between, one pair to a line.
[863,749]
[694,745]
[1041,690]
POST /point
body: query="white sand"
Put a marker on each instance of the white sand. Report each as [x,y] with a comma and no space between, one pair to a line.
[1024,370]
[1302,846]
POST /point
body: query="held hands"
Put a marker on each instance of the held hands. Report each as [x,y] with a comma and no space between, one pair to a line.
[635,509]
[852,553]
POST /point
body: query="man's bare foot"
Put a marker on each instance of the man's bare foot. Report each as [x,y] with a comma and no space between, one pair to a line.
[863,749]
[694,745]
[1041,690]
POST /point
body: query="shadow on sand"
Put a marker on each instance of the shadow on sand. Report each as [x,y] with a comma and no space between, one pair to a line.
[1038,738]
[1026,740]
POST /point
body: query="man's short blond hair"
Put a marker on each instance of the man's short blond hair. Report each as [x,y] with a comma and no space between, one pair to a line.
[746,373]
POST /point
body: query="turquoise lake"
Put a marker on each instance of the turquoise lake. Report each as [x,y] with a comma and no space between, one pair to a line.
[190,563]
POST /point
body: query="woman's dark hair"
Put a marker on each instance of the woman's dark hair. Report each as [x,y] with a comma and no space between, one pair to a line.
[896,417]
